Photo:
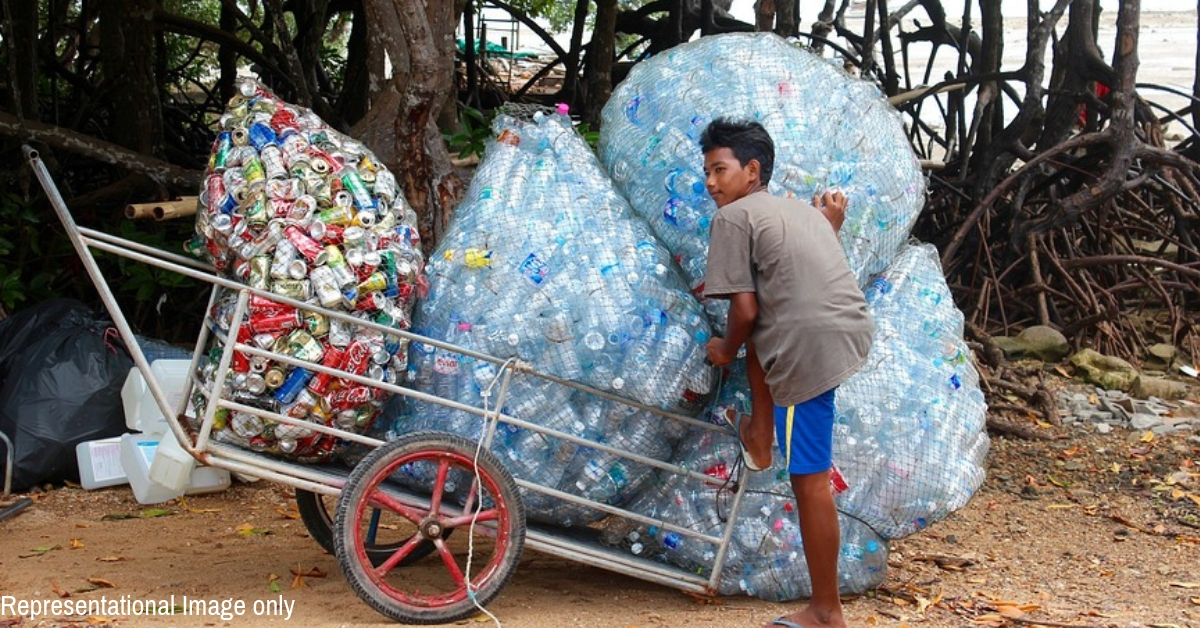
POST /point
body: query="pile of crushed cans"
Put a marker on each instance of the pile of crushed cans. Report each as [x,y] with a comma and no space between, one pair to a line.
[291,206]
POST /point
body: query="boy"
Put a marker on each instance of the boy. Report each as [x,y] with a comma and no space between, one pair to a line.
[796,306]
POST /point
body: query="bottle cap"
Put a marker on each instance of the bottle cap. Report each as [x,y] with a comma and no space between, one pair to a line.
[563,109]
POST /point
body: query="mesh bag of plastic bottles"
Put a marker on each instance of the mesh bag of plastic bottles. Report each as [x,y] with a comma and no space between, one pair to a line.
[830,131]
[544,261]
[908,438]
[293,207]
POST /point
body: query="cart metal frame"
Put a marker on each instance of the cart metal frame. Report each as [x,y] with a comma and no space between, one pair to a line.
[328,480]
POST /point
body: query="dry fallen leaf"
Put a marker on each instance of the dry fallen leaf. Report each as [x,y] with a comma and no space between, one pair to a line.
[99,621]
[291,513]
[76,544]
[110,559]
[1194,600]
[1148,437]
[60,592]
[1184,585]
[315,572]
[101,582]
[247,529]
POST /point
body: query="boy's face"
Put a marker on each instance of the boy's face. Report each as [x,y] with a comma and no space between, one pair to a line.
[726,178]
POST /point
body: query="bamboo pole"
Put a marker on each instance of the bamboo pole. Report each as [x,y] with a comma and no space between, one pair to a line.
[162,210]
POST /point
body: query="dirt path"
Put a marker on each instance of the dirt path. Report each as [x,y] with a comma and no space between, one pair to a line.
[1093,530]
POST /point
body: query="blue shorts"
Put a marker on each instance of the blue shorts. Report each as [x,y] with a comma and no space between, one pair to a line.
[804,433]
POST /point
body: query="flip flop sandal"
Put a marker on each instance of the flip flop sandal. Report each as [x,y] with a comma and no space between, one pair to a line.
[736,424]
[785,623]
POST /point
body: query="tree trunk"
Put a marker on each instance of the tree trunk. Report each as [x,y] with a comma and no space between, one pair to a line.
[570,89]
[227,59]
[764,15]
[786,14]
[127,59]
[419,38]
[20,30]
[356,93]
[603,49]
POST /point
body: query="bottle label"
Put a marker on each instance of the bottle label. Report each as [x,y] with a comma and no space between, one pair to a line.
[534,269]
[446,364]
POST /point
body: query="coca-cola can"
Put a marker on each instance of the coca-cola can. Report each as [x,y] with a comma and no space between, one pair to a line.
[347,398]
[321,382]
[280,207]
[358,356]
[309,248]
[275,322]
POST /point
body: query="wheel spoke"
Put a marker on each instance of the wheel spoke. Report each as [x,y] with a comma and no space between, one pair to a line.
[465,519]
[439,486]
[388,565]
[472,494]
[383,501]
[448,559]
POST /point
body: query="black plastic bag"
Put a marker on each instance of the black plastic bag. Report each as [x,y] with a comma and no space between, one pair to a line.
[64,388]
[24,328]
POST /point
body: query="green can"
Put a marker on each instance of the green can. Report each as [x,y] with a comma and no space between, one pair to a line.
[336,215]
[260,272]
[255,213]
[252,169]
[298,289]
[302,346]
[362,196]
[316,323]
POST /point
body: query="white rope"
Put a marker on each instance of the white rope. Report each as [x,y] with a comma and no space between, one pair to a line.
[487,395]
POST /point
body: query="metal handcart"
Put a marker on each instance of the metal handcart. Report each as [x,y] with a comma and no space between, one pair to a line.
[380,526]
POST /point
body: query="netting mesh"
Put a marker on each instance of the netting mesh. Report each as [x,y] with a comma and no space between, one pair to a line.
[908,438]
[909,430]
[545,262]
[291,206]
[829,130]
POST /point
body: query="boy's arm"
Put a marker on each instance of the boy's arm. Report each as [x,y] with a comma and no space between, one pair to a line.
[743,311]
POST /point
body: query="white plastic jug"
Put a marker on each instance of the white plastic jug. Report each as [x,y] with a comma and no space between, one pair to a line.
[141,411]
[100,463]
[139,454]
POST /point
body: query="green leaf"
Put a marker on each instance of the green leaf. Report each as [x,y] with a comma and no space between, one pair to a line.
[151,513]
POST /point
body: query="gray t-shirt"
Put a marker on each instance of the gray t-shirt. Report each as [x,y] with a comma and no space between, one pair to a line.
[813,330]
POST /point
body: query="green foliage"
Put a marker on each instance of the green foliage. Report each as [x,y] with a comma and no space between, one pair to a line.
[24,275]
[590,135]
[475,129]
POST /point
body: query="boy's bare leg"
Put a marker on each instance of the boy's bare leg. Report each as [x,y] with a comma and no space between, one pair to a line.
[759,435]
[822,542]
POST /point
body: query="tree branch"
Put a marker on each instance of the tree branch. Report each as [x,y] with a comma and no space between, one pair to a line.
[178,179]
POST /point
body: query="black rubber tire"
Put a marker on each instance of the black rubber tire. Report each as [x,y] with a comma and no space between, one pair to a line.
[423,605]
[318,520]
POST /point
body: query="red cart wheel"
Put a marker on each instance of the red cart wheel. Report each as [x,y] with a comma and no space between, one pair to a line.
[471,493]
[317,510]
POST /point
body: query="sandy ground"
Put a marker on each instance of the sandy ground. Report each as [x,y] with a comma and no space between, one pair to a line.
[1078,531]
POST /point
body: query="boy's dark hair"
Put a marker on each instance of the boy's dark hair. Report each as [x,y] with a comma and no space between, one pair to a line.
[747,140]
